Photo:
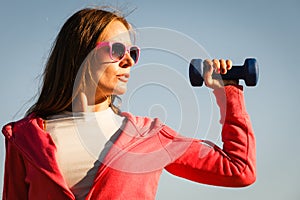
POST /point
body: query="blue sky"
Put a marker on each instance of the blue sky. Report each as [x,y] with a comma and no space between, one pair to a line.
[267,30]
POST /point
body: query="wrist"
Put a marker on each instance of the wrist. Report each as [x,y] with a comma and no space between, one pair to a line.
[230,82]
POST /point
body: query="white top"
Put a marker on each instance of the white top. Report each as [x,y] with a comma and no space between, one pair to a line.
[80,138]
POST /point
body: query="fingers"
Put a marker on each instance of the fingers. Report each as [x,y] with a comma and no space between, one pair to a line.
[218,66]
[229,64]
[221,66]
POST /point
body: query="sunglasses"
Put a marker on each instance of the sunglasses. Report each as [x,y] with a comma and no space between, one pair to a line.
[118,50]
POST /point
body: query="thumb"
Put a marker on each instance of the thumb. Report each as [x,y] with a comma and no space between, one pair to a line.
[207,72]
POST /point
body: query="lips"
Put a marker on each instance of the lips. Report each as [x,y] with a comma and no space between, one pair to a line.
[123,77]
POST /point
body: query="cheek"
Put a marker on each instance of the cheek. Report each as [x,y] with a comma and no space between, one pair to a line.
[102,55]
[107,75]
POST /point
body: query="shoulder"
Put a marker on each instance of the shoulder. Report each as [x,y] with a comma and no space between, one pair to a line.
[141,120]
[147,126]
[143,125]
[27,125]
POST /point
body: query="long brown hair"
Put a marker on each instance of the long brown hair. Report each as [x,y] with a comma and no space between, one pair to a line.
[76,39]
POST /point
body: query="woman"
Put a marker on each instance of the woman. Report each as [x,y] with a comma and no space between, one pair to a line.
[75,144]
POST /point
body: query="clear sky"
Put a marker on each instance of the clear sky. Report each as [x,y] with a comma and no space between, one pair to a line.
[236,29]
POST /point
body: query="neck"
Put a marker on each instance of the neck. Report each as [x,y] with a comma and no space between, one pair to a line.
[81,104]
[99,107]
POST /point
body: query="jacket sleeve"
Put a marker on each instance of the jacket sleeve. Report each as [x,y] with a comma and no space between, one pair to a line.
[203,161]
[14,186]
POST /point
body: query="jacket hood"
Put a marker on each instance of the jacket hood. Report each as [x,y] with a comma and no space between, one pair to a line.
[36,145]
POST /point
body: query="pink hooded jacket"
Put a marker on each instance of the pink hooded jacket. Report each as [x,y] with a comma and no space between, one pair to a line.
[136,157]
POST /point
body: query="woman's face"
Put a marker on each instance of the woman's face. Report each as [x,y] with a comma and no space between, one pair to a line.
[111,76]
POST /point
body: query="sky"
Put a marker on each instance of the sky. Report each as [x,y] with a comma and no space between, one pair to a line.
[170,34]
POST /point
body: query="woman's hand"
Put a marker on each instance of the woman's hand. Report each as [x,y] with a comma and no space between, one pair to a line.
[220,67]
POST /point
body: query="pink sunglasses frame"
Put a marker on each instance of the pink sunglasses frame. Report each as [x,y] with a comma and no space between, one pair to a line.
[127,48]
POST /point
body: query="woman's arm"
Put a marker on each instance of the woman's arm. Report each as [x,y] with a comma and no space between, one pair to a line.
[204,162]
[14,186]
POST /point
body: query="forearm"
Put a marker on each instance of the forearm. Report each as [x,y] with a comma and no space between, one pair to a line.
[234,165]
[237,133]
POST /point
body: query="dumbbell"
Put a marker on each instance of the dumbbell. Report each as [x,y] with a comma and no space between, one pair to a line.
[248,72]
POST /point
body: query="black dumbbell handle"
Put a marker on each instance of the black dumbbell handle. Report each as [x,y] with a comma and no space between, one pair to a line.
[236,72]
[248,72]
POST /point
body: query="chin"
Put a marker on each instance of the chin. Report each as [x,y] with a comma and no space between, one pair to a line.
[120,91]
[120,88]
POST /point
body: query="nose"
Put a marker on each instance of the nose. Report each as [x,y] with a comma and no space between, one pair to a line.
[127,61]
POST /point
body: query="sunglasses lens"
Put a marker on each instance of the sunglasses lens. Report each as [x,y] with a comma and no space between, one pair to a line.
[118,51]
[134,53]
